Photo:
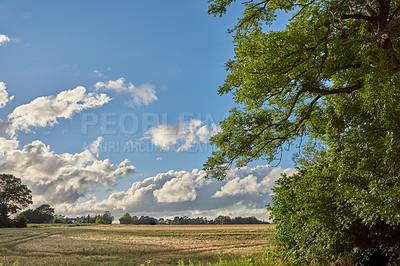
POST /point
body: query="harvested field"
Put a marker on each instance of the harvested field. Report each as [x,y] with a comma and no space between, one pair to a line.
[132,244]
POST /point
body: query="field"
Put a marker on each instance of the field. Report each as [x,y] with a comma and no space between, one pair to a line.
[132,244]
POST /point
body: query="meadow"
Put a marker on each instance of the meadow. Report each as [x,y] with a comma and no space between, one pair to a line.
[133,244]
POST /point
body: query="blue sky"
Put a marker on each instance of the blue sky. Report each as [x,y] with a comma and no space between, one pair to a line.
[86,80]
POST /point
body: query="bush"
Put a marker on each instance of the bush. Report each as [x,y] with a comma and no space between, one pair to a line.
[318,221]
[100,220]
[21,221]
[58,220]
[380,255]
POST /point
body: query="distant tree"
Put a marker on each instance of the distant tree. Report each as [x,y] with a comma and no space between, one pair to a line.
[13,197]
[147,220]
[91,219]
[100,220]
[21,221]
[135,220]
[126,219]
[222,220]
[58,219]
[42,214]
[107,217]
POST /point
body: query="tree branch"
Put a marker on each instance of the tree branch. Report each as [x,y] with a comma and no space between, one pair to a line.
[293,131]
[356,16]
[349,89]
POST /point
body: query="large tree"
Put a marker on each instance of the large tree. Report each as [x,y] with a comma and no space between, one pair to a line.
[42,214]
[13,197]
[331,79]
[126,219]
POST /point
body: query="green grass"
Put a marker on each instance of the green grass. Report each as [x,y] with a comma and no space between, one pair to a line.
[253,261]
[136,245]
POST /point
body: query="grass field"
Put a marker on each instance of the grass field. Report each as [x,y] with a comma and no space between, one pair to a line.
[132,244]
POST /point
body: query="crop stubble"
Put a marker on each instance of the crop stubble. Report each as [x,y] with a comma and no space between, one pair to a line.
[132,244]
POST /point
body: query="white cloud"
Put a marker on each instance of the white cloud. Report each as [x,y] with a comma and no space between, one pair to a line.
[98,73]
[94,147]
[181,137]
[58,178]
[142,95]
[4,98]
[4,39]
[7,145]
[179,189]
[250,184]
[189,193]
[44,111]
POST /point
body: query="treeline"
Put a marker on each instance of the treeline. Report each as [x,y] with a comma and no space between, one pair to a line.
[105,218]
[42,214]
[45,214]
[128,219]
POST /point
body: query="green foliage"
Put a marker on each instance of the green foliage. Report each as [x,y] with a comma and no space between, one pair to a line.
[331,77]
[100,220]
[58,220]
[13,197]
[237,220]
[380,255]
[42,214]
[346,199]
[267,259]
[126,219]
[287,83]
[21,221]
[147,220]
[107,217]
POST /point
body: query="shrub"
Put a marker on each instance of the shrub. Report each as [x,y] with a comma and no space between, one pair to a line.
[21,221]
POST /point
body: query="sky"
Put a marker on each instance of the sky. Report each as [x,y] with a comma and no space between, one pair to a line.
[109,105]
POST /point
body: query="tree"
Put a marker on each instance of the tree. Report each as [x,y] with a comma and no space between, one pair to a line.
[126,219]
[13,197]
[331,80]
[21,221]
[107,217]
[147,220]
[135,220]
[45,212]
[100,220]
[292,83]
[90,219]
[58,219]
[42,214]
[222,220]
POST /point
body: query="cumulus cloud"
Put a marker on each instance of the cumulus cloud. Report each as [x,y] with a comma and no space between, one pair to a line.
[243,182]
[179,189]
[59,178]
[4,98]
[94,147]
[44,111]
[7,145]
[145,94]
[4,39]
[189,193]
[181,137]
